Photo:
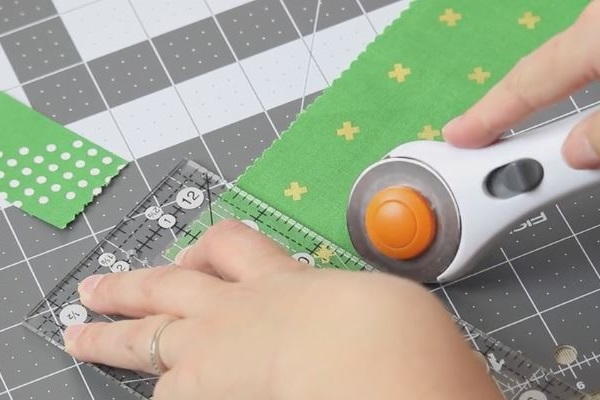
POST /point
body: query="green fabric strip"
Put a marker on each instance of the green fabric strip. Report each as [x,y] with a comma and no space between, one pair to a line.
[430,65]
[47,170]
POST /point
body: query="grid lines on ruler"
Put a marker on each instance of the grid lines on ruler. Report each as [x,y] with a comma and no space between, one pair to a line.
[243,206]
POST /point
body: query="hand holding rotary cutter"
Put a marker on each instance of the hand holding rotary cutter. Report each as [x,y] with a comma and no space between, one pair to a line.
[429,211]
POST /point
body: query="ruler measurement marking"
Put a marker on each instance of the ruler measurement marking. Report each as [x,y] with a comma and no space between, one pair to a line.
[291,234]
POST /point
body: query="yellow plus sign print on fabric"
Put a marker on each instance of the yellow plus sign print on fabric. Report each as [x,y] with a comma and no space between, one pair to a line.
[295,191]
[348,131]
[479,75]
[428,133]
[429,66]
[450,17]
[399,73]
[529,20]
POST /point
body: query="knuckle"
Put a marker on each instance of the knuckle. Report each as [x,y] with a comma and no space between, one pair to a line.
[90,337]
[131,341]
[105,286]
[189,375]
[184,378]
[516,82]
[221,230]
[226,227]
[150,285]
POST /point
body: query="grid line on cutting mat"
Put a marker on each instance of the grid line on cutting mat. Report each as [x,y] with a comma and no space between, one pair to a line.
[41,293]
[142,171]
[148,38]
[88,221]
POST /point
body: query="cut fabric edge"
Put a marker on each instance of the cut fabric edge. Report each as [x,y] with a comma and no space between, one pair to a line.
[93,196]
[88,200]
[408,10]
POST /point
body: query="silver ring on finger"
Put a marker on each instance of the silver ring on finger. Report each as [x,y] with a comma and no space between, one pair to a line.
[155,359]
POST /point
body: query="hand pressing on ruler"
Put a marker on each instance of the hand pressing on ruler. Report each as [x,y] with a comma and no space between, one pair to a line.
[238,318]
[563,65]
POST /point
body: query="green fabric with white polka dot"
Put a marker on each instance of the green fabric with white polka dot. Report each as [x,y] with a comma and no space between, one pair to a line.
[47,170]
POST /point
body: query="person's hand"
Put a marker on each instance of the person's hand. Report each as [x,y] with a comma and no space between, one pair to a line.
[252,323]
[561,66]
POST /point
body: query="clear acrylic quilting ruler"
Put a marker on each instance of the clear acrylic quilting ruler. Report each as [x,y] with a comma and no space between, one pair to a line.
[179,210]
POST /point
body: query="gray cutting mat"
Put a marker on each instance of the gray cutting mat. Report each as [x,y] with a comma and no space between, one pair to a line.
[218,81]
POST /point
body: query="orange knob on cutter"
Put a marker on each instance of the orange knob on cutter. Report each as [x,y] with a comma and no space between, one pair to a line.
[400,223]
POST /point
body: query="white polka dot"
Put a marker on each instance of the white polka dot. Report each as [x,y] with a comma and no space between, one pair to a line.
[68,175]
[107,160]
[82,183]
[11,162]
[18,204]
[14,183]
[38,159]
[1,174]
[77,144]
[94,171]
[80,163]
[107,179]
[29,192]
[43,200]
[65,156]
[26,171]
[52,167]
[96,191]
[1,154]
[55,188]
[3,195]
[41,180]
[70,195]
[92,152]
[23,151]
[51,148]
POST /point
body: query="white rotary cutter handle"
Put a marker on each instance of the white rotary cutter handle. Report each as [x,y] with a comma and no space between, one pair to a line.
[430,211]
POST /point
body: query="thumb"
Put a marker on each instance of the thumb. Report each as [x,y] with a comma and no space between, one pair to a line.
[582,147]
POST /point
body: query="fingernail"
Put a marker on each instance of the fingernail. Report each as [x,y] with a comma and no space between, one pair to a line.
[181,255]
[587,154]
[72,333]
[448,127]
[593,141]
[87,286]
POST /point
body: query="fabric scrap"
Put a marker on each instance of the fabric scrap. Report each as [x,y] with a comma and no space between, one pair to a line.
[47,170]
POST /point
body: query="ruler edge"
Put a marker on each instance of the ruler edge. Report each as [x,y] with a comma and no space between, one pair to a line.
[232,188]
[98,245]
[548,375]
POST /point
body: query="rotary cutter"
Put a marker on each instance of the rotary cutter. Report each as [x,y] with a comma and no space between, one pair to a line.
[430,211]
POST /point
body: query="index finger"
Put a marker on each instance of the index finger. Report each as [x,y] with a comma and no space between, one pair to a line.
[562,65]
[160,290]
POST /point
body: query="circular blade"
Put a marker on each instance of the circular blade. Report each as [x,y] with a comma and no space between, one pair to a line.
[406,172]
